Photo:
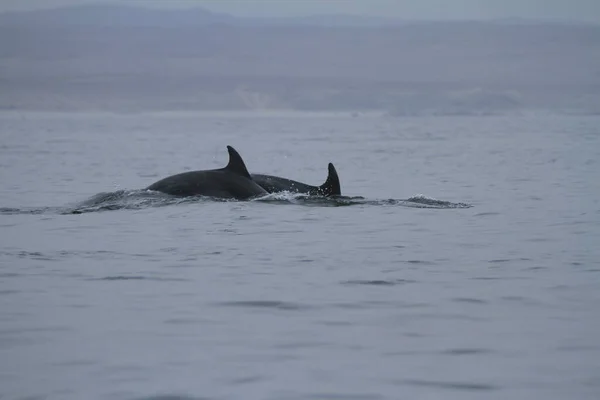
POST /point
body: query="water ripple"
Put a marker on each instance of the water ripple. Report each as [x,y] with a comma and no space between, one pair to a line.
[467,386]
[136,278]
[464,351]
[171,397]
[379,282]
[344,396]
[469,300]
[279,305]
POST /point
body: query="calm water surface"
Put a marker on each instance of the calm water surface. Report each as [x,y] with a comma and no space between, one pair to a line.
[372,298]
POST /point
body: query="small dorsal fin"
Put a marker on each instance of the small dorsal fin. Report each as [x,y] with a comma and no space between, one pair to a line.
[236,164]
[331,187]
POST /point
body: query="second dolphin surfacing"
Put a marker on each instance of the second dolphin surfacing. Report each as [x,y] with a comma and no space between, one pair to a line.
[274,184]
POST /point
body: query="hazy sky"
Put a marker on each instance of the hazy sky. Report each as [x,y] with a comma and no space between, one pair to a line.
[584,10]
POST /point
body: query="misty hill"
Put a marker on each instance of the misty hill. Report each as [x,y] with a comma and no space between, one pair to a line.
[108,15]
[127,58]
[132,16]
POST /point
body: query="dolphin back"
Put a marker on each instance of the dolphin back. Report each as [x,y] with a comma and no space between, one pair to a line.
[231,181]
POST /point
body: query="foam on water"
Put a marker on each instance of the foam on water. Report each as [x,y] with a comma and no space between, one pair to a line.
[140,199]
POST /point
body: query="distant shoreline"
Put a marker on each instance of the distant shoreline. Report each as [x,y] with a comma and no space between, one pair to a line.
[23,113]
[198,113]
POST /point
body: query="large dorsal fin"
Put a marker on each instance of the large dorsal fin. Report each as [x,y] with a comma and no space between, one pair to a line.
[236,164]
[331,187]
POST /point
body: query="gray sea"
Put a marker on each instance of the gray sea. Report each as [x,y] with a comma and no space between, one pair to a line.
[462,262]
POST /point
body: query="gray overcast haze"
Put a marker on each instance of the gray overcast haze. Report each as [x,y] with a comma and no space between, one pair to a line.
[582,10]
[313,58]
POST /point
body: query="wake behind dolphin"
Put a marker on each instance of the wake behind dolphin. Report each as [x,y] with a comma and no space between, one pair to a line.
[144,199]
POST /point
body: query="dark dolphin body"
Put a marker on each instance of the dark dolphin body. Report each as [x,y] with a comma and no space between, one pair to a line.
[232,182]
[274,184]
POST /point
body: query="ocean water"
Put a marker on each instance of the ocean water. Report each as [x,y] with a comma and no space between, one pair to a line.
[463,261]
